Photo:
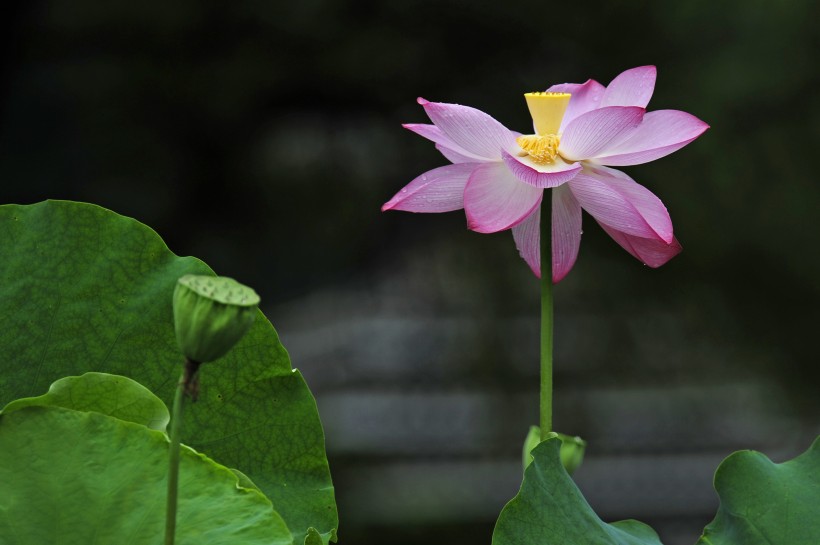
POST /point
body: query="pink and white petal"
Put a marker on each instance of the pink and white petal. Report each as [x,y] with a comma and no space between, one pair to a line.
[621,203]
[433,133]
[495,200]
[458,157]
[437,190]
[541,175]
[651,252]
[566,231]
[595,130]
[634,87]
[430,132]
[566,235]
[527,237]
[471,129]
[585,97]
[660,133]
[646,202]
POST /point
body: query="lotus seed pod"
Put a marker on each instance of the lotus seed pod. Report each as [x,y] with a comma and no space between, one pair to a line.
[211,314]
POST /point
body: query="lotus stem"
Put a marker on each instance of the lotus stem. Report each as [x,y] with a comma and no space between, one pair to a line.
[187,387]
[546,315]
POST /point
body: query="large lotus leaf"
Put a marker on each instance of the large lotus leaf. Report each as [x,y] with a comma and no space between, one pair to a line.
[112,395]
[74,478]
[85,289]
[550,510]
[763,503]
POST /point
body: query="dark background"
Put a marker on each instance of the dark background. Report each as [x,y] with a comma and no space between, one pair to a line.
[263,137]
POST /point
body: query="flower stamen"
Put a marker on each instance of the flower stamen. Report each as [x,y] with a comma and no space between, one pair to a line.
[542,149]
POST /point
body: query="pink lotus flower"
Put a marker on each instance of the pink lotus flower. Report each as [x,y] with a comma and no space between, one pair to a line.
[499,176]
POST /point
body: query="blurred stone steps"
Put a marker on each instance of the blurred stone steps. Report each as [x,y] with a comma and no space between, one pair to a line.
[617,487]
[480,423]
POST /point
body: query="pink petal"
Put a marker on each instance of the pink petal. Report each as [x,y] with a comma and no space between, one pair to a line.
[585,97]
[438,190]
[566,232]
[472,130]
[433,133]
[527,237]
[541,175]
[595,130]
[495,200]
[456,156]
[566,235]
[660,133]
[651,252]
[633,87]
[615,199]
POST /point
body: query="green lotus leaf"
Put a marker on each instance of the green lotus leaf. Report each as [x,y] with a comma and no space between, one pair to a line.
[244,480]
[74,478]
[550,510]
[763,503]
[86,289]
[112,395]
[313,537]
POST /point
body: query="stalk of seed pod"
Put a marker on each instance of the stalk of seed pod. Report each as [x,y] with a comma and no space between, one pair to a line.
[211,315]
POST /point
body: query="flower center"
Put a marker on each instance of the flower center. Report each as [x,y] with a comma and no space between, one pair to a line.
[542,149]
[547,111]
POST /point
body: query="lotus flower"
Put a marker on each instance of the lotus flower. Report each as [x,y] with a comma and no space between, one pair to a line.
[581,130]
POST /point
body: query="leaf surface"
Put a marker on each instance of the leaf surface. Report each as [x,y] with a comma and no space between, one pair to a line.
[112,395]
[764,503]
[550,510]
[78,478]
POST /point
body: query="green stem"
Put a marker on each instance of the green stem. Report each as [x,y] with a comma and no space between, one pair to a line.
[187,387]
[546,314]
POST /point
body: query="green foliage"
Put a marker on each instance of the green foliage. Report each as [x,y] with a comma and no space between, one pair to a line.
[763,503]
[112,395]
[88,290]
[550,510]
[75,477]
[313,537]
